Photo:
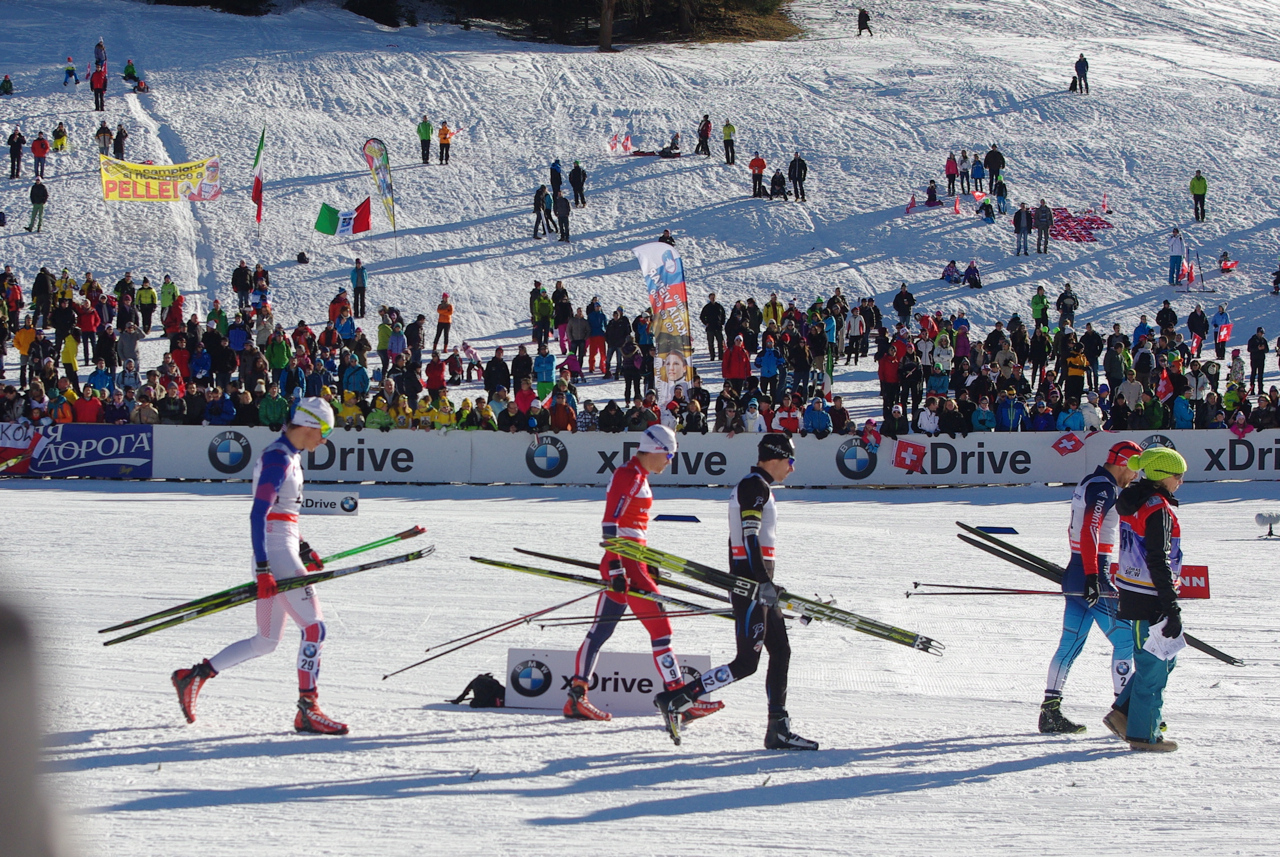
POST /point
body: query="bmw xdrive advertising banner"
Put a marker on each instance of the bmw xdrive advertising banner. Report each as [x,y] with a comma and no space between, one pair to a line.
[622,683]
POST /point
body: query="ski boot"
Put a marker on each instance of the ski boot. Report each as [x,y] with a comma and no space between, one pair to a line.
[672,704]
[577,707]
[1052,721]
[188,684]
[780,737]
[311,719]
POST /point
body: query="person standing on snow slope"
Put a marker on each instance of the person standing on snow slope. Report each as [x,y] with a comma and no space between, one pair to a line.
[424,139]
[1082,72]
[728,131]
[578,181]
[797,172]
[1093,533]
[626,515]
[704,136]
[757,623]
[446,136]
[1150,567]
[278,550]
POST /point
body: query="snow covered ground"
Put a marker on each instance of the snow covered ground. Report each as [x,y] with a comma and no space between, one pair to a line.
[920,755]
[1177,86]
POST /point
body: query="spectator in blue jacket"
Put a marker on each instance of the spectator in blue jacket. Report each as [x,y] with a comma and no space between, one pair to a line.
[544,370]
[355,378]
[1042,417]
[345,327]
[129,376]
[1142,329]
[983,418]
[219,410]
[816,420]
[1070,419]
[200,363]
[979,172]
[1219,319]
[237,335]
[293,381]
[102,379]
[1011,413]
[1184,415]
[768,361]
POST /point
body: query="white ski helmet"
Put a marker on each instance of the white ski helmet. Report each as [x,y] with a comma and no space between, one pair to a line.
[313,412]
[658,438]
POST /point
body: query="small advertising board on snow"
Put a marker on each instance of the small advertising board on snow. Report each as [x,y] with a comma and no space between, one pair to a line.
[331,503]
[623,684]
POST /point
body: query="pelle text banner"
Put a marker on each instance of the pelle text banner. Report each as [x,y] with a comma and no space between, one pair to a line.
[198,181]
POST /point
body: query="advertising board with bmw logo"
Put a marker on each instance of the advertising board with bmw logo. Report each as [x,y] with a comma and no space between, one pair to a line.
[547,456]
[330,502]
[230,452]
[623,683]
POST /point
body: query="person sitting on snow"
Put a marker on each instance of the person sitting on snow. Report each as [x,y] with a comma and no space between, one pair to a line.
[951,273]
[778,186]
[130,73]
[971,276]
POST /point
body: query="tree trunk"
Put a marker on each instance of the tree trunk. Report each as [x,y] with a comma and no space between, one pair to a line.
[606,25]
[686,16]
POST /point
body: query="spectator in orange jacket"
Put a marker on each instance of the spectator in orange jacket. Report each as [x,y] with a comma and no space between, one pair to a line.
[562,417]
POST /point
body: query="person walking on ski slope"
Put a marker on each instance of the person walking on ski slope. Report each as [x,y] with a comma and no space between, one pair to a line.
[424,139]
[1093,534]
[626,516]
[278,550]
[704,137]
[1150,567]
[757,622]
[728,131]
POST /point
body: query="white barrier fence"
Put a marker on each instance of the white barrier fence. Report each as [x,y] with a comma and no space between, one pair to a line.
[198,452]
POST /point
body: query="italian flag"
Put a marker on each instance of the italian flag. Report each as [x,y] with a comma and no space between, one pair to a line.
[334,222]
[257,174]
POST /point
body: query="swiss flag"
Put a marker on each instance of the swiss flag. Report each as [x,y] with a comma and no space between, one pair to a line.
[1195,342]
[1068,444]
[1224,333]
[911,205]
[1164,387]
[979,196]
[909,456]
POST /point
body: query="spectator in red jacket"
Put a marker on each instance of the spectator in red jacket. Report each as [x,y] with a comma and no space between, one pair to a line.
[434,375]
[787,417]
[888,372]
[39,151]
[736,365]
[88,408]
[88,320]
[757,166]
[562,417]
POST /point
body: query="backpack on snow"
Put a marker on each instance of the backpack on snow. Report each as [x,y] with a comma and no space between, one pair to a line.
[1075,83]
[302,258]
[486,691]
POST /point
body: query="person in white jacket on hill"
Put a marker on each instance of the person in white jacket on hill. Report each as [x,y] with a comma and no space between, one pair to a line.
[1177,250]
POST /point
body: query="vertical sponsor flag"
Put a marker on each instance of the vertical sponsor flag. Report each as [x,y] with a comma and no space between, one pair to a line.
[256,194]
[672,336]
[334,222]
[375,155]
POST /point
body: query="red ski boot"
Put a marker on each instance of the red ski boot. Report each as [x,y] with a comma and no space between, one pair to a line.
[311,719]
[188,684]
[700,708]
[578,708]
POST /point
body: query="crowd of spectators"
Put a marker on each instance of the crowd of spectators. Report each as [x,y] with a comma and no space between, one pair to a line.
[77,346]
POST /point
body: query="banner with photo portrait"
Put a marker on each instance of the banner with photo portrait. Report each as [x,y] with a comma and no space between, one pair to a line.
[672,335]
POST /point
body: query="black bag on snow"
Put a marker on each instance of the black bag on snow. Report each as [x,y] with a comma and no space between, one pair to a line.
[486,692]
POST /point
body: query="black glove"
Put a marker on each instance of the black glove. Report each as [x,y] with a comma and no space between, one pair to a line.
[767,594]
[618,583]
[1092,589]
[1173,625]
[310,559]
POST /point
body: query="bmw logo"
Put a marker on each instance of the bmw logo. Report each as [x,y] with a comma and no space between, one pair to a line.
[229,452]
[690,674]
[854,460]
[1157,440]
[1122,667]
[349,504]
[531,678]
[546,457]
[309,650]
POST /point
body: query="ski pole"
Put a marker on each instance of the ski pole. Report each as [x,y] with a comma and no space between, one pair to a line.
[228,594]
[999,590]
[591,620]
[492,630]
[526,618]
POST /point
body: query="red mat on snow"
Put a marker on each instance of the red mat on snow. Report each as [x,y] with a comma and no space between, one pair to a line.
[1075,227]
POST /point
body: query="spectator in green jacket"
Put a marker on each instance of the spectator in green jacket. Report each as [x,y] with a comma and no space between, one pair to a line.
[424,137]
[169,292]
[1040,307]
[1199,187]
[273,410]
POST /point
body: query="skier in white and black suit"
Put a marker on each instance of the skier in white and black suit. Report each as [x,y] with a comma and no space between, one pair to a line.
[279,551]
[758,622]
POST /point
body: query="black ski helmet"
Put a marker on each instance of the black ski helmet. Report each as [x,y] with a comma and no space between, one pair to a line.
[775,446]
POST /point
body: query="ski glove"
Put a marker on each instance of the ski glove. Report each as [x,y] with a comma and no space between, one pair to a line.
[310,559]
[767,594]
[1173,627]
[266,582]
[1092,589]
[618,583]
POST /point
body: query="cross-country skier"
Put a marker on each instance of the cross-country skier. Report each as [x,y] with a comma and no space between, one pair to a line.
[1093,533]
[757,622]
[626,516]
[278,551]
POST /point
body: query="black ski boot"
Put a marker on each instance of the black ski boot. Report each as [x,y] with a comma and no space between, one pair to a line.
[780,737]
[1052,721]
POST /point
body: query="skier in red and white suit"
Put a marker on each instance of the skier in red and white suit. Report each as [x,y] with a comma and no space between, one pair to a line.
[626,516]
[278,551]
